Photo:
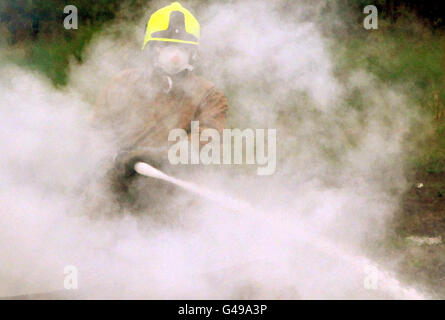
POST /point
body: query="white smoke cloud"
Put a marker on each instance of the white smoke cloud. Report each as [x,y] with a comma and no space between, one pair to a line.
[339,174]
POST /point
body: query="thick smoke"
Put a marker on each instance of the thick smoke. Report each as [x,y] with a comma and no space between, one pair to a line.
[338,181]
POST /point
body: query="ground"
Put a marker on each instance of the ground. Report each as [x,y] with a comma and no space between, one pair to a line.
[421,218]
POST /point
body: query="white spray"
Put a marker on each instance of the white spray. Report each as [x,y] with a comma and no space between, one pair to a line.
[338,178]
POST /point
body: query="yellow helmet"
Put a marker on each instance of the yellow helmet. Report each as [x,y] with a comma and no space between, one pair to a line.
[173,23]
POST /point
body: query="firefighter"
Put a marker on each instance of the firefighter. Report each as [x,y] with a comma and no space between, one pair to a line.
[141,106]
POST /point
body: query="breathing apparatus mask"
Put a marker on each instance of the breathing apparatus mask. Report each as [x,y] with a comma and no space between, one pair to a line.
[174,58]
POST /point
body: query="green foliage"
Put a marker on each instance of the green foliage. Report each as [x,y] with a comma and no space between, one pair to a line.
[52,57]
[409,56]
[430,11]
[36,27]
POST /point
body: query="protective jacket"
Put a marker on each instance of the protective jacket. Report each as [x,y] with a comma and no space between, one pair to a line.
[142,107]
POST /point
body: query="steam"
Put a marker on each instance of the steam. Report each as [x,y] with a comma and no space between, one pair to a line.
[339,174]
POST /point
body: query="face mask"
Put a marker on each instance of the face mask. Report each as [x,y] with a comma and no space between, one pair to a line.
[173,60]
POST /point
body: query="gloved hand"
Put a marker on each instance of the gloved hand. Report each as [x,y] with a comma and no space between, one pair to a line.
[125,160]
